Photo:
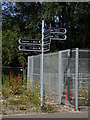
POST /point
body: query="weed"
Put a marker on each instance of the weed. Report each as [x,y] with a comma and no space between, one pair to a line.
[4,112]
[22,107]
[49,108]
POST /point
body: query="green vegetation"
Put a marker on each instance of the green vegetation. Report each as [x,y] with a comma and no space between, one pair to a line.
[83,94]
[17,100]
[23,20]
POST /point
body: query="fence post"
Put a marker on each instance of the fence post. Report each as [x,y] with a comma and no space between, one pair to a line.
[68,76]
[28,72]
[32,73]
[76,79]
[60,76]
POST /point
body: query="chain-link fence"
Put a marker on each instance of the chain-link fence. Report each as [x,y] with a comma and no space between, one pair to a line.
[33,73]
[64,71]
[83,78]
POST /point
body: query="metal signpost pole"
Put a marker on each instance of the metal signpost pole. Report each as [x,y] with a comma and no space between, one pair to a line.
[42,65]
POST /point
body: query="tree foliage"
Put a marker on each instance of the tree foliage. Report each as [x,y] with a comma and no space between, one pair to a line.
[24,20]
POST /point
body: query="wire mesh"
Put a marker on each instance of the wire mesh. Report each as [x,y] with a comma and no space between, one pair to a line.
[65,59]
[64,64]
[72,76]
[51,76]
[83,78]
[51,73]
[33,73]
[56,75]
[36,68]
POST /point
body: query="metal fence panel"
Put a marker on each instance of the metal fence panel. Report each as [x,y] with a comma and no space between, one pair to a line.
[33,73]
[51,76]
[83,78]
[56,75]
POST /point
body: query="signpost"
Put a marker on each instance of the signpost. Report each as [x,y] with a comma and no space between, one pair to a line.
[42,62]
[42,46]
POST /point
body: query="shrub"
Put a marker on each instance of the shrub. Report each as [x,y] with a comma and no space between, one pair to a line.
[12,83]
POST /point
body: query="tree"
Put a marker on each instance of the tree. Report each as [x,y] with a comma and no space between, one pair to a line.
[24,20]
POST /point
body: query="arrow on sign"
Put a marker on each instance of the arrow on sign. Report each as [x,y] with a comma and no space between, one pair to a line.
[46,42]
[46,47]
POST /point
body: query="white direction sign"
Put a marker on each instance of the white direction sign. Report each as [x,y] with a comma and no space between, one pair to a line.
[33,48]
[29,48]
[58,37]
[58,30]
[55,34]
[29,41]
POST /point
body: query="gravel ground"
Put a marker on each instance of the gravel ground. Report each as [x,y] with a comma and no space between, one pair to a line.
[11,110]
